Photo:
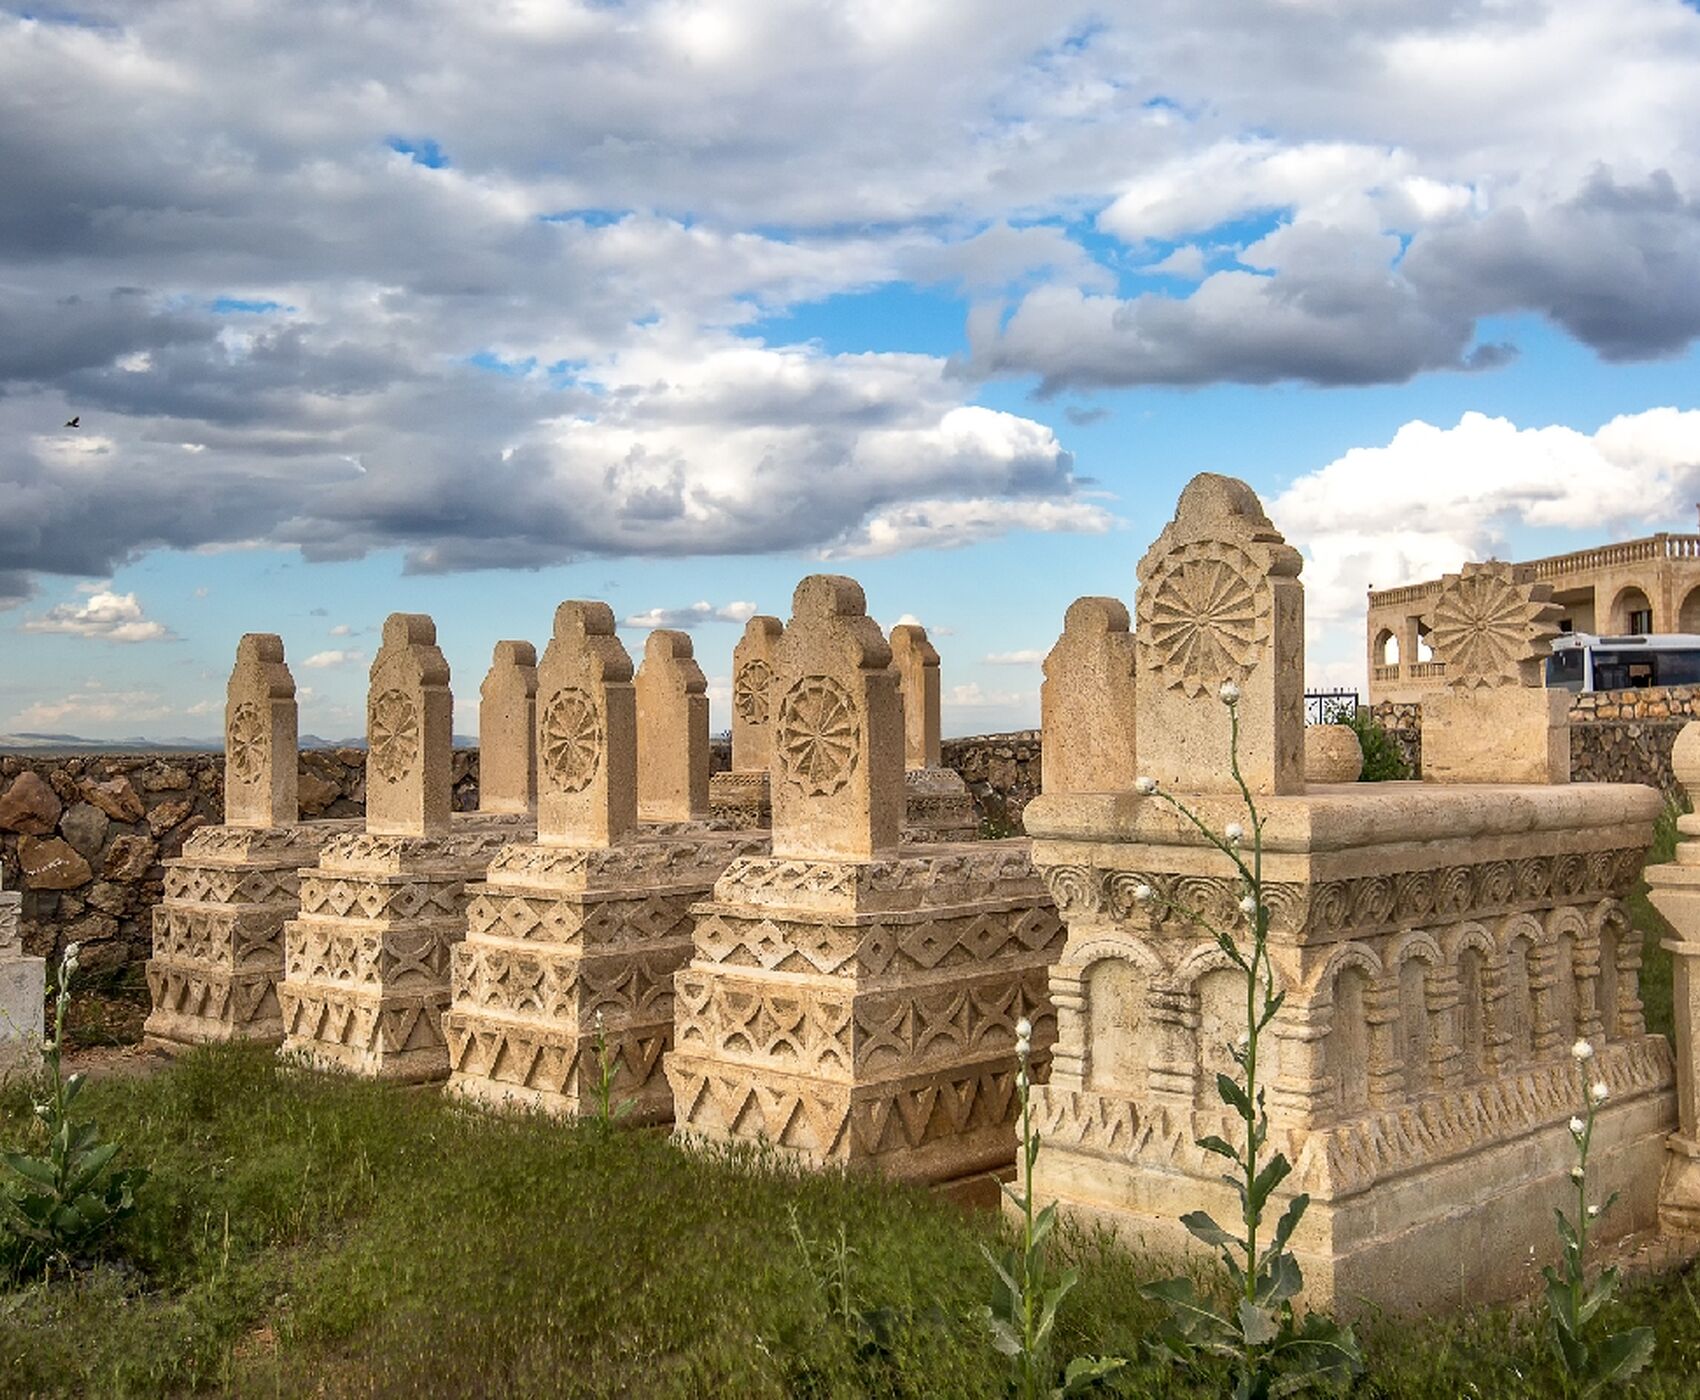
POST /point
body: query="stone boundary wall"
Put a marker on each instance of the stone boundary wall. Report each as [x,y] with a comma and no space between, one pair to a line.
[83,835]
[1002,773]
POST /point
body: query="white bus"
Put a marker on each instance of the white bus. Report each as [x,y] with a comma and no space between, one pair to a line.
[1581,661]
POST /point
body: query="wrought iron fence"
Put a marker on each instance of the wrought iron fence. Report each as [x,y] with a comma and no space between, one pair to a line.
[1330,706]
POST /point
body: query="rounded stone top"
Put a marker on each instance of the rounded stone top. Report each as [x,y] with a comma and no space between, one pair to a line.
[668,644]
[260,646]
[409,629]
[763,626]
[580,617]
[829,595]
[514,654]
[1685,759]
[1211,496]
[1096,615]
[911,639]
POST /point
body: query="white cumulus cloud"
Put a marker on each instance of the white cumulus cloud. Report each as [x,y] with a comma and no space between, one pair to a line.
[692,615]
[112,617]
[327,660]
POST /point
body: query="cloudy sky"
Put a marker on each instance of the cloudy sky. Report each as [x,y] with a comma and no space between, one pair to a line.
[466,309]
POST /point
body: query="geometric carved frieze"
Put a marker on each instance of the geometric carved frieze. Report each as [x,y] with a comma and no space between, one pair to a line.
[1367,904]
[914,880]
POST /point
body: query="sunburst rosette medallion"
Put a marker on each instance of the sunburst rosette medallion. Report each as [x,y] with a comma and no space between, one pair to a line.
[1492,628]
[393,729]
[570,740]
[244,743]
[749,691]
[818,735]
[1203,617]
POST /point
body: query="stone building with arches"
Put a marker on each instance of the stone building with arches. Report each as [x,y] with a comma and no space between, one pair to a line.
[1645,585]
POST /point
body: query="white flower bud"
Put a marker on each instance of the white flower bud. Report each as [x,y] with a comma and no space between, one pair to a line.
[1582,1051]
[73,948]
[1145,786]
[1243,1043]
[1593,1212]
[1021,1081]
[1577,1174]
[1577,1127]
[1248,906]
[1229,692]
[1024,1028]
[1599,1093]
[1233,833]
[1143,894]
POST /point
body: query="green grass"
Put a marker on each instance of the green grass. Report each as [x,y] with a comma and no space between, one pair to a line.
[310,1235]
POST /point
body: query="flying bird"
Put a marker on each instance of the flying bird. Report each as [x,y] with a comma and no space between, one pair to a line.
[76,422]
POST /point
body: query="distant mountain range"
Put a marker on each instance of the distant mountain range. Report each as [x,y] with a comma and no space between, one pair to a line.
[76,743]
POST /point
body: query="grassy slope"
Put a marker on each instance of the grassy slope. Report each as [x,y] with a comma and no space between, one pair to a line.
[305,1235]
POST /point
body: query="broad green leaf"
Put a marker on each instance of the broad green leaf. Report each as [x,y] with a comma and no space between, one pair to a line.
[1212,1143]
[1201,1226]
[32,1168]
[1257,1324]
[1273,1173]
[1234,1096]
[1085,1371]
[1622,1355]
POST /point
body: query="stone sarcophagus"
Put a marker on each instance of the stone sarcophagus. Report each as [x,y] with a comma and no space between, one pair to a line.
[1440,947]
[573,940]
[852,1000]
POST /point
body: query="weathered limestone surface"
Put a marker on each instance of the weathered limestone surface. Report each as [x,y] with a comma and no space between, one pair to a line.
[1087,703]
[1495,722]
[936,804]
[848,1001]
[1676,894]
[23,990]
[578,935]
[1332,754]
[739,798]
[1220,600]
[218,934]
[672,731]
[507,730]
[366,960]
[1440,948]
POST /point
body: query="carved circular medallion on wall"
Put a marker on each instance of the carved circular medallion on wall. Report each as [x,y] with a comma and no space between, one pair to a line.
[1488,628]
[245,742]
[392,726]
[817,735]
[1204,615]
[570,740]
[749,691]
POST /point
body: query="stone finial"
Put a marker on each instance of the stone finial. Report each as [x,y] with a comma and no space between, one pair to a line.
[916,663]
[672,727]
[1220,600]
[1493,626]
[586,731]
[1087,702]
[1332,754]
[752,684]
[507,730]
[260,739]
[409,731]
[838,728]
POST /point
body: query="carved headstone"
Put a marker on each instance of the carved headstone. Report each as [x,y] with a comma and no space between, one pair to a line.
[1220,600]
[1087,702]
[260,755]
[586,731]
[409,738]
[752,684]
[838,728]
[672,727]
[1493,627]
[916,662]
[507,730]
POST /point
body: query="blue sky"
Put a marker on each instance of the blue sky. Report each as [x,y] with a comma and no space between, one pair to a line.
[671,304]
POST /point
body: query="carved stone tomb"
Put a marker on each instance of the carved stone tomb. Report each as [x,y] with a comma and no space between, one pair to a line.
[577,935]
[366,959]
[1440,947]
[851,1000]
[937,805]
[218,933]
[740,798]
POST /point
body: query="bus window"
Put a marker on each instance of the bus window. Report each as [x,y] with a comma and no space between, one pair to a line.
[1564,669]
[1640,672]
[1611,670]
[1676,667]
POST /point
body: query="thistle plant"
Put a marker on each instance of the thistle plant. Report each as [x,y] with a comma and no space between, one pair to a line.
[1272,1350]
[63,1201]
[1024,1312]
[1591,1362]
[607,1066]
